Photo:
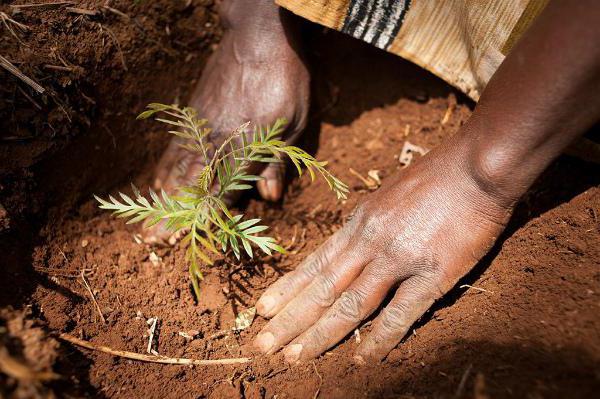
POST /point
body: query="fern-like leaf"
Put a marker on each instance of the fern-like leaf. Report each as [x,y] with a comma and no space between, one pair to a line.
[199,208]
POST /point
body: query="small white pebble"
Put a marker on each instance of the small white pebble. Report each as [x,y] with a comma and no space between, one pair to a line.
[154,258]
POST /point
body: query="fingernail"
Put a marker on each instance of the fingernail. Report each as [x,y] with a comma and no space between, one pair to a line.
[265,305]
[292,353]
[150,240]
[274,189]
[261,185]
[265,341]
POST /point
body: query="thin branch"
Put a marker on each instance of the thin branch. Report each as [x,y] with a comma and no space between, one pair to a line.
[151,358]
[476,288]
[89,290]
[57,4]
[119,49]
[81,11]
[6,64]
[318,391]
[117,12]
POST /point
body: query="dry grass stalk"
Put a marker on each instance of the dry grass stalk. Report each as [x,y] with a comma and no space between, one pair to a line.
[8,21]
[318,391]
[81,11]
[89,290]
[476,288]
[116,12]
[151,358]
[58,68]
[6,64]
[57,4]
[117,43]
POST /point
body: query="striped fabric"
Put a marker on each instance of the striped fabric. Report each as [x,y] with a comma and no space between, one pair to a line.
[376,22]
[461,41]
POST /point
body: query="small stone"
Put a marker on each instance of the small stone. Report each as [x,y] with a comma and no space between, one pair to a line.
[84,243]
[154,258]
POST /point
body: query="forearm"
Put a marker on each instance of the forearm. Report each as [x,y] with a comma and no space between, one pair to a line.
[543,96]
[256,22]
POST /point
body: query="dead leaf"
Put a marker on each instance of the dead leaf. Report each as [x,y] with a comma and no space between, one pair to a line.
[374,175]
[372,182]
[154,258]
[244,319]
[407,153]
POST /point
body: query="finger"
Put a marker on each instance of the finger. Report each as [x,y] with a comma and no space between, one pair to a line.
[166,163]
[271,187]
[306,308]
[414,296]
[156,234]
[178,235]
[290,285]
[355,304]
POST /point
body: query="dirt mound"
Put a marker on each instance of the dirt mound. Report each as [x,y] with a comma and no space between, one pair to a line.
[523,323]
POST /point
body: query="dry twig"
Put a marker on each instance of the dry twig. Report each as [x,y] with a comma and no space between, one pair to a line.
[8,21]
[57,4]
[117,12]
[28,97]
[89,290]
[81,11]
[6,64]
[114,38]
[476,288]
[320,381]
[151,358]
[59,68]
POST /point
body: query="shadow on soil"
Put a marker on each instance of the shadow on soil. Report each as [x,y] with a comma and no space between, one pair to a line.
[530,369]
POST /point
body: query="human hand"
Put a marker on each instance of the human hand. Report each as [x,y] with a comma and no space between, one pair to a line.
[416,236]
[256,74]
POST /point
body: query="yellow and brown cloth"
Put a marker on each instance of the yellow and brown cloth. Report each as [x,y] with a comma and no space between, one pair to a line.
[461,41]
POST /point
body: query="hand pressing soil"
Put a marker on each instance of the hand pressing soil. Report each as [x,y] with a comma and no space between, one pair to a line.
[257,74]
[417,235]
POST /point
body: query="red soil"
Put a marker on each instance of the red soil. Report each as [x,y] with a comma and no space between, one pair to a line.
[534,331]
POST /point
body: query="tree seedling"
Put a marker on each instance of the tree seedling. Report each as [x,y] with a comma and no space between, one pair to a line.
[200,208]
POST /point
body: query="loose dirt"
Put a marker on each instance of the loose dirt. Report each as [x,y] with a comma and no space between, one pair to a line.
[523,323]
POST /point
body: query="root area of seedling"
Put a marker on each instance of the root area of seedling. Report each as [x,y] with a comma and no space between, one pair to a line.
[523,324]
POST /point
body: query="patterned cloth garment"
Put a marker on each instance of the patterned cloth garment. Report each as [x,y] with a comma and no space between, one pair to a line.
[461,41]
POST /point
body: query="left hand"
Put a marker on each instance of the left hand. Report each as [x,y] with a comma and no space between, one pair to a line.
[417,235]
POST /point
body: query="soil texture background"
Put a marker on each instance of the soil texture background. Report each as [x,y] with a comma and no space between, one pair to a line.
[524,323]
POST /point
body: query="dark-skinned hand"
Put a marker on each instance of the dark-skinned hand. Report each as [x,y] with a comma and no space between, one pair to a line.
[413,238]
[256,74]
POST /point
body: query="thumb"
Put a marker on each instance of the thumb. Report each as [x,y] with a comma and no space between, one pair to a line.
[271,187]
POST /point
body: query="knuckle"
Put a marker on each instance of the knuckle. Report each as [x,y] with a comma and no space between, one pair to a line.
[323,291]
[395,318]
[314,266]
[370,229]
[318,337]
[287,283]
[285,318]
[349,306]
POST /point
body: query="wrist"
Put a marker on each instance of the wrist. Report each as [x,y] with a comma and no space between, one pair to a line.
[259,30]
[496,165]
[253,17]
